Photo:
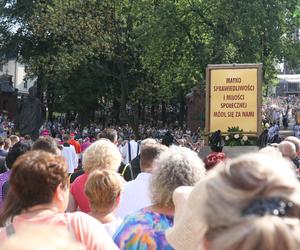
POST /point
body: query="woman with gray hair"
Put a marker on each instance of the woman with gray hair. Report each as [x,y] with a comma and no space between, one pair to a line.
[145,229]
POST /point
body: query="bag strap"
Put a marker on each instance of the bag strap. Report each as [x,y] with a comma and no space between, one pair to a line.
[129,151]
[127,166]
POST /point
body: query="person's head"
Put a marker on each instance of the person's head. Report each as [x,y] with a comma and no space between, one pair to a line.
[40,178]
[7,144]
[149,152]
[27,137]
[216,142]
[287,149]
[294,140]
[174,167]
[213,159]
[47,144]
[17,150]
[110,134]
[251,202]
[102,154]
[167,139]
[72,136]
[103,188]
[65,138]
[14,139]
[132,137]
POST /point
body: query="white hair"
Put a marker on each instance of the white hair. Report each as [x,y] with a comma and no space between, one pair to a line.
[176,166]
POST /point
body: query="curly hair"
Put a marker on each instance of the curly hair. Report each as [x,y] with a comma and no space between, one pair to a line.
[102,154]
[35,177]
[176,166]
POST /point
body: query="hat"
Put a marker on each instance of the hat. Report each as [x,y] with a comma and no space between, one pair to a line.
[189,220]
[213,159]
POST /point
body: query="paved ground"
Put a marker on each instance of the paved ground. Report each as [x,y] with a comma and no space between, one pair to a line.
[287,132]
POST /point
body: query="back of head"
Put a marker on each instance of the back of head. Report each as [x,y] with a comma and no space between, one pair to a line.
[65,138]
[174,167]
[167,139]
[14,139]
[287,149]
[35,177]
[249,203]
[216,142]
[47,144]
[148,154]
[294,140]
[110,134]
[103,188]
[102,154]
[17,150]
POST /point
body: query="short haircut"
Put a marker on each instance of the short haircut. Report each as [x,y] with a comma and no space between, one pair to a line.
[35,177]
[65,138]
[175,167]
[47,144]
[17,150]
[110,134]
[14,139]
[287,149]
[101,154]
[103,187]
[148,154]
[294,140]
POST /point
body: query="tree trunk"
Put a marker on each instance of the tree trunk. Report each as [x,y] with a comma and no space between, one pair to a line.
[163,113]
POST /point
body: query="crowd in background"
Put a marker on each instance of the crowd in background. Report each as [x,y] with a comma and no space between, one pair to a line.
[101,188]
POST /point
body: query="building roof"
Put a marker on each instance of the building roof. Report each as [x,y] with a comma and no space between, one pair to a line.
[290,78]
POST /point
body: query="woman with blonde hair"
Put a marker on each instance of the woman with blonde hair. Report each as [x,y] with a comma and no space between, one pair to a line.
[102,154]
[249,203]
[103,188]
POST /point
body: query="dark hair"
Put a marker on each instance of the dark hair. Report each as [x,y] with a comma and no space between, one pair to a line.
[167,139]
[148,154]
[11,207]
[47,144]
[110,134]
[65,138]
[35,177]
[216,142]
[17,150]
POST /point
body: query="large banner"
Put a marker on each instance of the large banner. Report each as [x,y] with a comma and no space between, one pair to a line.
[233,97]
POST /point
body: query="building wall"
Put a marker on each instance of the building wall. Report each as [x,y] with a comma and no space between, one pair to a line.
[17,71]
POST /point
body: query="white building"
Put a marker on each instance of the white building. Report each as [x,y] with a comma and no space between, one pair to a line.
[17,71]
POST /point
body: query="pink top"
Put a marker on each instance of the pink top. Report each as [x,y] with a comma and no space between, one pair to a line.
[83,227]
[77,190]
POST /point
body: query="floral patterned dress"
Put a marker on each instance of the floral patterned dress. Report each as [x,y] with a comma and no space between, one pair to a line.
[144,230]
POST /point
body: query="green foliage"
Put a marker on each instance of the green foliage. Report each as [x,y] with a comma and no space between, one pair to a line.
[142,51]
[235,137]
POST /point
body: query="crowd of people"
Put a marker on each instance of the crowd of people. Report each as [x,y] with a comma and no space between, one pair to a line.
[102,188]
[105,193]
